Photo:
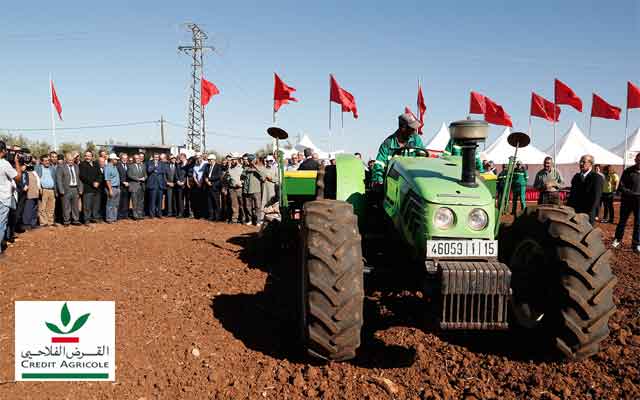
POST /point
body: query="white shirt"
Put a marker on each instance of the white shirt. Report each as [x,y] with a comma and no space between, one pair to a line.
[7,175]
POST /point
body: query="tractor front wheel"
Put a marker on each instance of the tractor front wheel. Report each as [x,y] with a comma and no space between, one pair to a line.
[331,285]
[561,278]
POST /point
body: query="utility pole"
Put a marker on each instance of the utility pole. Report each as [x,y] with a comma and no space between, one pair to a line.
[195,139]
[162,129]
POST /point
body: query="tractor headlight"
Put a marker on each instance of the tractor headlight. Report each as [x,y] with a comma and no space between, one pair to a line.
[478,219]
[444,218]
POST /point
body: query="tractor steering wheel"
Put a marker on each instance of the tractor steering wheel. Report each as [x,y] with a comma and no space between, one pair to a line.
[407,151]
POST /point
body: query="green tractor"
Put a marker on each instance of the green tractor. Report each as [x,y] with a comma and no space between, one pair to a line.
[547,272]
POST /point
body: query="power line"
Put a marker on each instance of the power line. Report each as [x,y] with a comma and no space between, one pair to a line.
[216,133]
[113,125]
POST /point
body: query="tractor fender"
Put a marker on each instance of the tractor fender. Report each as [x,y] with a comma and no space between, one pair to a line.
[350,186]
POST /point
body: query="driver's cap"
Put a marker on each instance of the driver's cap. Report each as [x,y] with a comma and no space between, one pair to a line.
[408,119]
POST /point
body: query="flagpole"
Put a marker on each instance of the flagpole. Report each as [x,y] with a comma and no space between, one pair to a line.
[274,111]
[590,121]
[53,119]
[417,101]
[329,104]
[530,133]
[555,118]
[626,124]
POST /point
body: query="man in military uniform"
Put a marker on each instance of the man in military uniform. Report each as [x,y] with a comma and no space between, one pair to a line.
[519,187]
[548,181]
[405,136]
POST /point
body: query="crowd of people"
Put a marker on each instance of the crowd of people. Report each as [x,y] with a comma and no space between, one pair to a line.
[592,189]
[63,191]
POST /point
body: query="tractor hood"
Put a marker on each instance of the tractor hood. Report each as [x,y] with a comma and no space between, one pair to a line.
[437,180]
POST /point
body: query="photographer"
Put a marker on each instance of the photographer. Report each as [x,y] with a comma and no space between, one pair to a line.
[8,178]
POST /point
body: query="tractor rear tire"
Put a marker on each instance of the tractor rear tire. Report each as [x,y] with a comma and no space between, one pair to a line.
[561,278]
[331,287]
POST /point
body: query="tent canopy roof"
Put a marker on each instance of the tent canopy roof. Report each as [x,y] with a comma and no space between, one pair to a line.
[500,151]
[440,139]
[633,143]
[574,144]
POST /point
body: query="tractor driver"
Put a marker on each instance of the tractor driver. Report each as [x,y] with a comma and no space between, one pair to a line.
[405,136]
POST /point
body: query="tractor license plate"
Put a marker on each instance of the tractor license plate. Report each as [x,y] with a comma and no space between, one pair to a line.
[462,248]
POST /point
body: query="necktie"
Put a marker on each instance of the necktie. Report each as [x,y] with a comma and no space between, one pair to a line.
[73,176]
[210,171]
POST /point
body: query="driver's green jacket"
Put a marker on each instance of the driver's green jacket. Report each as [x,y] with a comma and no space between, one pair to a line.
[387,148]
[455,150]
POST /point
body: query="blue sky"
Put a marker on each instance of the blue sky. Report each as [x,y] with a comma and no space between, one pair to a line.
[116,61]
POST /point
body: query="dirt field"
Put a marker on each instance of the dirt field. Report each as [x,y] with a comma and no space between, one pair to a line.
[194,321]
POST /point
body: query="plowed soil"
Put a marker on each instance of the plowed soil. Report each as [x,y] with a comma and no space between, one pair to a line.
[198,318]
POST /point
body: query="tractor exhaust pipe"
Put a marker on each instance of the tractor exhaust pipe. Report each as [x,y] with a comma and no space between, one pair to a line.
[466,134]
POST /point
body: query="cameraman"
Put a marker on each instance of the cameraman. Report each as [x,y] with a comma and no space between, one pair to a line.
[8,178]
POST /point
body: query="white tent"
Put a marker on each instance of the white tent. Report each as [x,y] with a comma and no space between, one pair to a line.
[440,139]
[306,143]
[500,151]
[633,147]
[573,145]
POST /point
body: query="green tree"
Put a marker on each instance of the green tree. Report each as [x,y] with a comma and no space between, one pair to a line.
[90,146]
[68,147]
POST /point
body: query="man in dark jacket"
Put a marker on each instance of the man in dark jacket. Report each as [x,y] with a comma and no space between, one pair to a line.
[123,166]
[213,188]
[309,163]
[156,183]
[586,189]
[171,184]
[181,183]
[89,176]
[629,189]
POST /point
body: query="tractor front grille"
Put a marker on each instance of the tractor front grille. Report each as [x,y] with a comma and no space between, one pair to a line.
[475,295]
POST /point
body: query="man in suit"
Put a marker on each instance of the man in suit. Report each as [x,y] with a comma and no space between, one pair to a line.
[181,182]
[102,189]
[171,183]
[90,188]
[586,189]
[136,175]
[156,183]
[213,188]
[123,166]
[69,189]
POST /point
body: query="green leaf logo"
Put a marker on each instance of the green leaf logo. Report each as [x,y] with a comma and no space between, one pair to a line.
[65,319]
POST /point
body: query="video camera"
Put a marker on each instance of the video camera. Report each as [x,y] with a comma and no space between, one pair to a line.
[21,153]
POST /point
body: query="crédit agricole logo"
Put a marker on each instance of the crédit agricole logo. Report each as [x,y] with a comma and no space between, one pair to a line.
[65,318]
[77,345]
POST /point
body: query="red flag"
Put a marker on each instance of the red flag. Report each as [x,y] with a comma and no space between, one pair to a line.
[543,108]
[495,114]
[56,101]
[477,104]
[208,90]
[422,108]
[633,96]
[281,93]
[342,97]
[564,95]
[602,109]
